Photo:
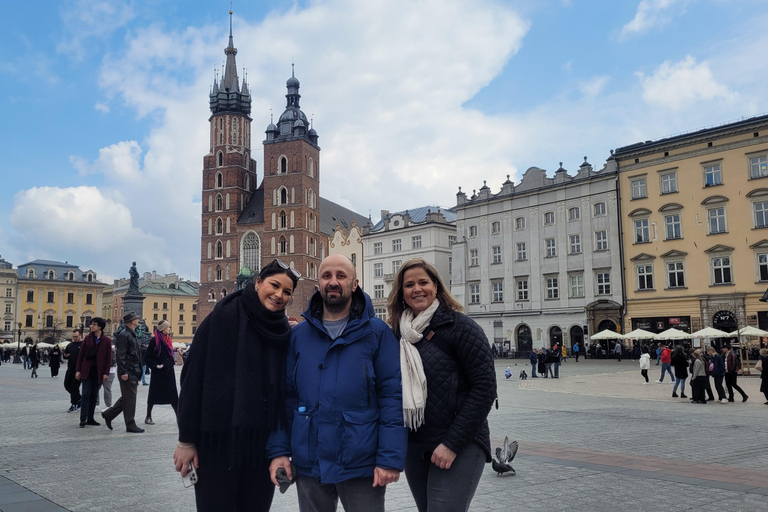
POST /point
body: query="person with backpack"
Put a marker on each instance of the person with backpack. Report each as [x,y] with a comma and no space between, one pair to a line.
[732,367]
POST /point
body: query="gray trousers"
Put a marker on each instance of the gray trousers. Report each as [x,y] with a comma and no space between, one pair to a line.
[126,404]
[356,495]
[108,390]
[444,490]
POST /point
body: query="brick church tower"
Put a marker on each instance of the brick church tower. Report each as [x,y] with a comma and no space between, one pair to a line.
[292,196]
[229,177]
[244,227]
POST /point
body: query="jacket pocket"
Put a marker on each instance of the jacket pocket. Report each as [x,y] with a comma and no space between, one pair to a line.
[361,437]
[303,439]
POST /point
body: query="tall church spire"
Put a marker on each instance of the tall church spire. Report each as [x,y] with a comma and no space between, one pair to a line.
[229,97]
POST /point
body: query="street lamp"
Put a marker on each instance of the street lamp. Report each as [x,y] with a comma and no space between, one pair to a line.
[16,357]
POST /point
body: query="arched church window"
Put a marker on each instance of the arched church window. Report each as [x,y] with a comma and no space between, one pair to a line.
[283,221]
[219,226]
[219,180]
[219,202]
[251,251]
[283,245]
[218,272]
[283,196]
[220,156]
[283,165]
[219,249]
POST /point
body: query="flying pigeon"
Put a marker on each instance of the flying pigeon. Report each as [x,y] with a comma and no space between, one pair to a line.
[504,455]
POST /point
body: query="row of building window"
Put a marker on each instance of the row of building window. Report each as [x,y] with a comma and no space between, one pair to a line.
[548,219]
[720,267]
[51,297]
[716,223]
[712,175]
[397,245]
[552,287]
[51,275]
[165,306]
[550,248]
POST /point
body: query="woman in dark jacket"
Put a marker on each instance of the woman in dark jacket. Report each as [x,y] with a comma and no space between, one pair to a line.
[159,358]
[34,360]
[542,366]
[717,373]
[233,393]
[449,385]
[55,361]
[680,364]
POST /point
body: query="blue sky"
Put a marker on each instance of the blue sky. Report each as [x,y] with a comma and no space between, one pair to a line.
[104,103]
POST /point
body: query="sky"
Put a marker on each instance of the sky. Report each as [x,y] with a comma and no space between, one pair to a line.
[104,104]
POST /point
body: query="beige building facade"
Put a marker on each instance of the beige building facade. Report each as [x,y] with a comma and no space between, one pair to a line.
[694,228]
[349,242]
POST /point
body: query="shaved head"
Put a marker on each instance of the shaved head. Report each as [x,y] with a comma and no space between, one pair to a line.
[339,260]
[337,280]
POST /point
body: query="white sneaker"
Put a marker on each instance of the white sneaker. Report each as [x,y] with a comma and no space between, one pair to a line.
[646,383]
[659,382]
[724,401]
[98,409]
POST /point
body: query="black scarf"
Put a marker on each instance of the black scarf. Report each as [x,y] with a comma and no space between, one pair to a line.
[244,391]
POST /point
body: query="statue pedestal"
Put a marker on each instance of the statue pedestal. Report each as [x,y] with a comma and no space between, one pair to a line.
[133,302]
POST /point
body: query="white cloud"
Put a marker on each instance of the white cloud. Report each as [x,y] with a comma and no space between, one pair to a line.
[682,84]
[66,222]
[101,107]
[594,86]
[84,19]
[119,162]
[654,13]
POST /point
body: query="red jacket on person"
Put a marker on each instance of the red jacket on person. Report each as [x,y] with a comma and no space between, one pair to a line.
[102,357]
[666,355]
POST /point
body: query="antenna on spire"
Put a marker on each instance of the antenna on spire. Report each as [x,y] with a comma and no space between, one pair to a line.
[270,116]
[230,19]
[312,120]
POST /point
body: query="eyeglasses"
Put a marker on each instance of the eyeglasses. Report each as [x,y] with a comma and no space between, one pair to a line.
[283,265]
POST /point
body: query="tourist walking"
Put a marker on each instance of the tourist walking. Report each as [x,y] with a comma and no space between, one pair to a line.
[129,372]
[159,359]
[449,438]
[697,379]
[34,360]
[71,384]
[576,351]
[617,351]
[55,361]
[92,369]
[732,366]
[645,364]
[680,363]
[556,356]
[542,362]
[666,360]
[718,372]
[233,393]
[764,373]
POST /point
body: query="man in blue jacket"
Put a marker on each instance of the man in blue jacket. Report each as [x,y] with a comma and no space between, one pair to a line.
[345,434]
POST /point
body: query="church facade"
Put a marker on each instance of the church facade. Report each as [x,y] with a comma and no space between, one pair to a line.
[245,226]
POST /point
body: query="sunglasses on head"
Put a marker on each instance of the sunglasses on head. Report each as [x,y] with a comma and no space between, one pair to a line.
[283,265]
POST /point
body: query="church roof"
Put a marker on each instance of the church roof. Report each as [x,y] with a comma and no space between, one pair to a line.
[332,214]
[253,213]
[419,215]
[60,269]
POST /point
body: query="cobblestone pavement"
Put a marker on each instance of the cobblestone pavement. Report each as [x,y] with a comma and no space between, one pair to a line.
[594,440]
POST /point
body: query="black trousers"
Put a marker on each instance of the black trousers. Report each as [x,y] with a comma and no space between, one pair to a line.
[730,383]
[223,489]
[73,387]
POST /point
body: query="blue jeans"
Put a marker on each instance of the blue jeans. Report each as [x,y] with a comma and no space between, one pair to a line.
[355,494]
[681,382]
[443,490]
[533,370]
[665,367]
[143,372]
[557,370]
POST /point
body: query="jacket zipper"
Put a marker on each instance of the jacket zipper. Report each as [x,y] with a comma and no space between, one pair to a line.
[367,385]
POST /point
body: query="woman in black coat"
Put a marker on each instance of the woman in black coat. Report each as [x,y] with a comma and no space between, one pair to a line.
[34,361]
[55,361]
[233,393]
[449,439]
[680,364]
[159,359]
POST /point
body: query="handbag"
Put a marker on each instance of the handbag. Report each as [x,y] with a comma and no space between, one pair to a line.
[759,366]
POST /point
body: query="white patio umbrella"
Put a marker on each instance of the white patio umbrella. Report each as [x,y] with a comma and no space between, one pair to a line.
[710,332]
[749,331]
[43,345]
[672,334]
[178,344]
[607,335]
[640,334]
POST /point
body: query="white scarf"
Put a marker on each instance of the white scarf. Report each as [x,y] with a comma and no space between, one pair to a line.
[411,368]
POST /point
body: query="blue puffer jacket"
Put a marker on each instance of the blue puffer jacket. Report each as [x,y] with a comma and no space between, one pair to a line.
[345,409]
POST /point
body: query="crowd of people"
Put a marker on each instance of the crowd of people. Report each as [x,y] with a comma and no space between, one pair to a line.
[697,366]
[546,362]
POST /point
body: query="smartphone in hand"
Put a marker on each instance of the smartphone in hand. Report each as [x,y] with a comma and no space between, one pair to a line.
[191,478]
